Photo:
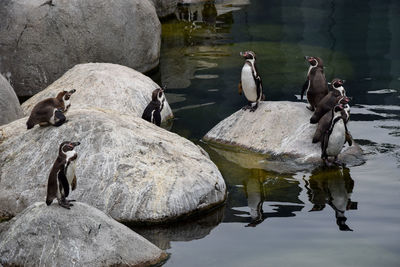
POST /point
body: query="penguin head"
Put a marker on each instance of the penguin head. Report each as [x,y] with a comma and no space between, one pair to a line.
[67,146]
[337,86]
[248,55]
[158,94]
[315,61]
[339,107]
[65,95]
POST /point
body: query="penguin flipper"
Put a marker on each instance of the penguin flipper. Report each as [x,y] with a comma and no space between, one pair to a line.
[240,88]
[62,179]
[157,118]
[349,138]
[59,118]
[305,86]
[259,87]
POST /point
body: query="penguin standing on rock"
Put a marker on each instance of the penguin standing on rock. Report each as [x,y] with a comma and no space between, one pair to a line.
[250,82]
[331,132]
[152,113]
[315,85]
[51,110]
[62,175]
[336,95]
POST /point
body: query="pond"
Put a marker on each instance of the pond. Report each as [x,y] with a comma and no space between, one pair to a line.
[346,216]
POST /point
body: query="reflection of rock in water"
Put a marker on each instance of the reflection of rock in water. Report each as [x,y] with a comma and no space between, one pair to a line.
[196,228]
[332,186]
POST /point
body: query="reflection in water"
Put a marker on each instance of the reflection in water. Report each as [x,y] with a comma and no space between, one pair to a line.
[188,230]
[332,186]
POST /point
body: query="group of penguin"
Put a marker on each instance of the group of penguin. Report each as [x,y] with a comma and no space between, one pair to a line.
[51,111]
[330,107]
[331,112]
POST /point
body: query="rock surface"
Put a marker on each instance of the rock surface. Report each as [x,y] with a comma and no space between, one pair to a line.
[10,109]
[165,7]
[279,129]
[82,236]
[103,86]
[40,41]
[126,167]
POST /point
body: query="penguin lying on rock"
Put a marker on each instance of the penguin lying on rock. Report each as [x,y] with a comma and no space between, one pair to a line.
[152,113]
[315,85]
[336,95]
[250,82]
[51,110]
[331,132]
[62,175]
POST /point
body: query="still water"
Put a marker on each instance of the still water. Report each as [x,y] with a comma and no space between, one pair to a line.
[320,217]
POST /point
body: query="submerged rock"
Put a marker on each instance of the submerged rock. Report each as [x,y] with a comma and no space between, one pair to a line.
[82,236]
[103,86]
[126,167]
[41,39]
[280,130]
[10,109]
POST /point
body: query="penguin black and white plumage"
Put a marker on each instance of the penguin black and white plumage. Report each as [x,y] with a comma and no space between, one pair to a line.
[331,132]
[315,85]
[62,175]
[346,119]
[51,110]
[152,113]
[336,95]
[250,81]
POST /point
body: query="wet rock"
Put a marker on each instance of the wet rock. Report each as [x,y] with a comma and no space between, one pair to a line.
[165,7]
[82,236]
[103,86]
[42,39]
[280,130]
[128,168]
[10,108]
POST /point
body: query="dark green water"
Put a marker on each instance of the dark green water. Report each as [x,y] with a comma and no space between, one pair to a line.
[304,218]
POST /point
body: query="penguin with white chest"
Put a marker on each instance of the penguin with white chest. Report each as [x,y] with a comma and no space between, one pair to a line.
[62,175]
[152,113]
[315,85]
[250,82]
[51,110]
[331,132]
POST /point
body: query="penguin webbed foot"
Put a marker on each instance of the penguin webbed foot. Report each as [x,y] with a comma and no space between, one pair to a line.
[246,107]
[253,108]
[65,203]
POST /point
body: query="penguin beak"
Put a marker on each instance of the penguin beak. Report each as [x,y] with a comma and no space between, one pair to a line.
[72,91]
[306,57]
[74,144]
[243,54]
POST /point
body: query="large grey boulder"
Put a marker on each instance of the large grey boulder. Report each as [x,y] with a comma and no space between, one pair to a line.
[278,129]
[10,109]
[82,236]
[42,39]
[165,7]
[126,167]
[103,86]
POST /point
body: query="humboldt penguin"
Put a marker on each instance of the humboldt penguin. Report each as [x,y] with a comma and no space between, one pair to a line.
[62,175]
[250,82]
[331,132]
[315,85]
[152,113]
[336,95]
[51,110]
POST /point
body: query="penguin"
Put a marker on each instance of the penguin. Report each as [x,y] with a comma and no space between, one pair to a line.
[336,95]
[152,113]
[51,110]
[315,85]
[331,132]
[62,175]
[250,82]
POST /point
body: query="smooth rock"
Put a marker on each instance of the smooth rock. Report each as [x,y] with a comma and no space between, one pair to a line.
[165,7]
[126,167]
[10,109]
[103,86]
[82,236]
[40,39]
[280,130]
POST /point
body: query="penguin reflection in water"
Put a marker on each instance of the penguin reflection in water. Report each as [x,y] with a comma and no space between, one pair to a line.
[331,132]
[152,113]
[62,175]
[334,187]
[51,110]
[250,82]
